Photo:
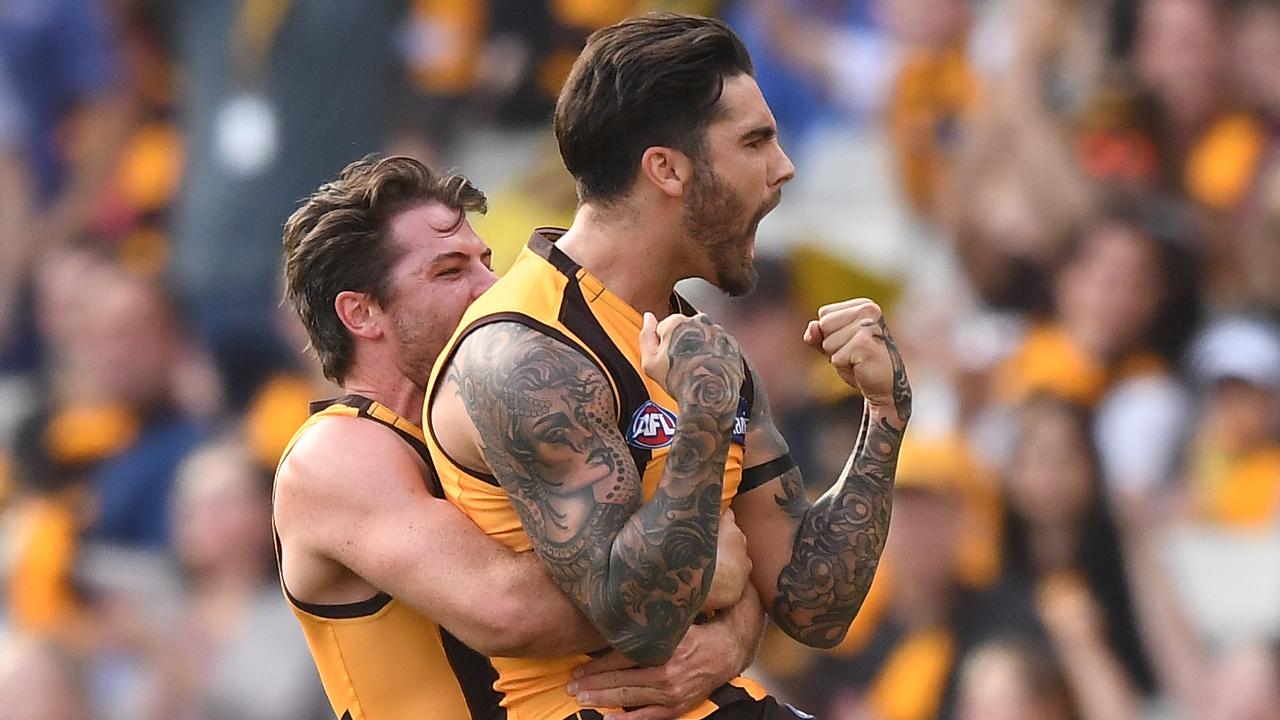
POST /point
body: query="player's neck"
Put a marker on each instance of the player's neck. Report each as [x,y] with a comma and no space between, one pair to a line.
[630,257]
[391,388]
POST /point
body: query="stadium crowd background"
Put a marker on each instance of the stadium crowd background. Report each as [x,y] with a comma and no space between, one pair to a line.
[1069,208]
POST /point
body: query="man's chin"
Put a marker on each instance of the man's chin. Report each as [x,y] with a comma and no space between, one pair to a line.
[739,283]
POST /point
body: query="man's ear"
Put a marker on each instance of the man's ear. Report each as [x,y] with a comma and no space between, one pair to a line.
[667,169]
[359,313]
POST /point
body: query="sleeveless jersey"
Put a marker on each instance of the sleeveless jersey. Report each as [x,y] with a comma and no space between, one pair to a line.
[379,659]
[548,292]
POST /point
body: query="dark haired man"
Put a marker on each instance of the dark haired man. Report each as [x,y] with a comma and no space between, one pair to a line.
[391,584]
[565,418]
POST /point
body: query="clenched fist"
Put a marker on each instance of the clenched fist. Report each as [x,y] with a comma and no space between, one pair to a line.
[694,360]
[853,335]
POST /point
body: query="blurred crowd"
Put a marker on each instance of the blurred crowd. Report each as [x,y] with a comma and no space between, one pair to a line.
[1070,210]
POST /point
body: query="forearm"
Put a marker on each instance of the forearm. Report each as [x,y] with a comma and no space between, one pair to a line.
[1177,654]
[839,540]
[1098,682]
[541,620]
[662,561]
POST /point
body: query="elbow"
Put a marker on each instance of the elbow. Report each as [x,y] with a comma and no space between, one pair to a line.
[507,632]
[818,630]
[816,637]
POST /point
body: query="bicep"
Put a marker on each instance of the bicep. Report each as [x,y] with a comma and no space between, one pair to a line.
[409,544]
[370,512]
[431,555]
[770,516]
[546,419]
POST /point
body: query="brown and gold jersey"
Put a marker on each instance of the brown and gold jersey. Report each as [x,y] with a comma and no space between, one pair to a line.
[547,291]
[379,659]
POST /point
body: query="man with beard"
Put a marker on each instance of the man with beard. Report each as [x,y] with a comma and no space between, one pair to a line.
[564,418]
[392,585]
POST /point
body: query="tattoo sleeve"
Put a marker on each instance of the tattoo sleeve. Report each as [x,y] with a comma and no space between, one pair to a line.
[547,421]
[840,537]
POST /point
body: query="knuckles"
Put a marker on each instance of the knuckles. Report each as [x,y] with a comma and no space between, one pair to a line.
[854,304]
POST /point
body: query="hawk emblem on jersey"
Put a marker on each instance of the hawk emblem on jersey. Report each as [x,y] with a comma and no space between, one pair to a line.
[652,427]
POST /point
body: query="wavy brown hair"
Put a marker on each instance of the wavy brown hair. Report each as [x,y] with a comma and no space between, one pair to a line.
[338,240]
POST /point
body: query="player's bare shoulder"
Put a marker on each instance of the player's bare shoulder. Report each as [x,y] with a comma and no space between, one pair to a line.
[341,462]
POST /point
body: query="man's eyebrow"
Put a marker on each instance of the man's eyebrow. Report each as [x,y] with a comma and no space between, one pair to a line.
[756,134]
[450,255]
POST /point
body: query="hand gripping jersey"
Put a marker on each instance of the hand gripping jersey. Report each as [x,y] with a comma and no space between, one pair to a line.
[379,659]
[547,291]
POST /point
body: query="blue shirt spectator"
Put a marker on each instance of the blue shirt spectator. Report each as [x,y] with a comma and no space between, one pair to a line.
[59,54]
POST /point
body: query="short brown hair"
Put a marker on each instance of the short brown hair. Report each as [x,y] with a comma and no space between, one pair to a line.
[651,80]
[337,241]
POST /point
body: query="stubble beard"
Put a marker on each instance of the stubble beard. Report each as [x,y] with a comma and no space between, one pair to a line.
[416,356]
[713,220]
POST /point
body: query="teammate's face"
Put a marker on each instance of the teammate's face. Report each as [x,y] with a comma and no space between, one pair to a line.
[441,271]
[737,182]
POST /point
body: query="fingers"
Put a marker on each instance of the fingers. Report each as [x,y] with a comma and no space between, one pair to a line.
[865,314]
[731,534]
[653,712]
[845,305]
[650,677]
[838,323]
[837,339]
[813,335]
[671,322]
[624,696]
[649,339]
[727,522]
[842,325]
[605,663]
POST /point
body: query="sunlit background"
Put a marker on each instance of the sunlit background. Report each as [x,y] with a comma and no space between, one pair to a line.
[1070,210]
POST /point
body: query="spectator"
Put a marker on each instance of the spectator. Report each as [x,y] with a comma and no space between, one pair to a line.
[1250,251]
[136,349]
[237,652]
[1060,534]
[1121,307]
[1235,463]
[1011,680]
[934,93]
[61,64]
[1181,57]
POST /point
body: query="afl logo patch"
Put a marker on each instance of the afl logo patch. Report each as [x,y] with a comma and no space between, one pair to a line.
[740,422]
[652,427]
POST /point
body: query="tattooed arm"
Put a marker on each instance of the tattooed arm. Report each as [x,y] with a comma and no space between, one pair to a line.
[814,563]
[546,419]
